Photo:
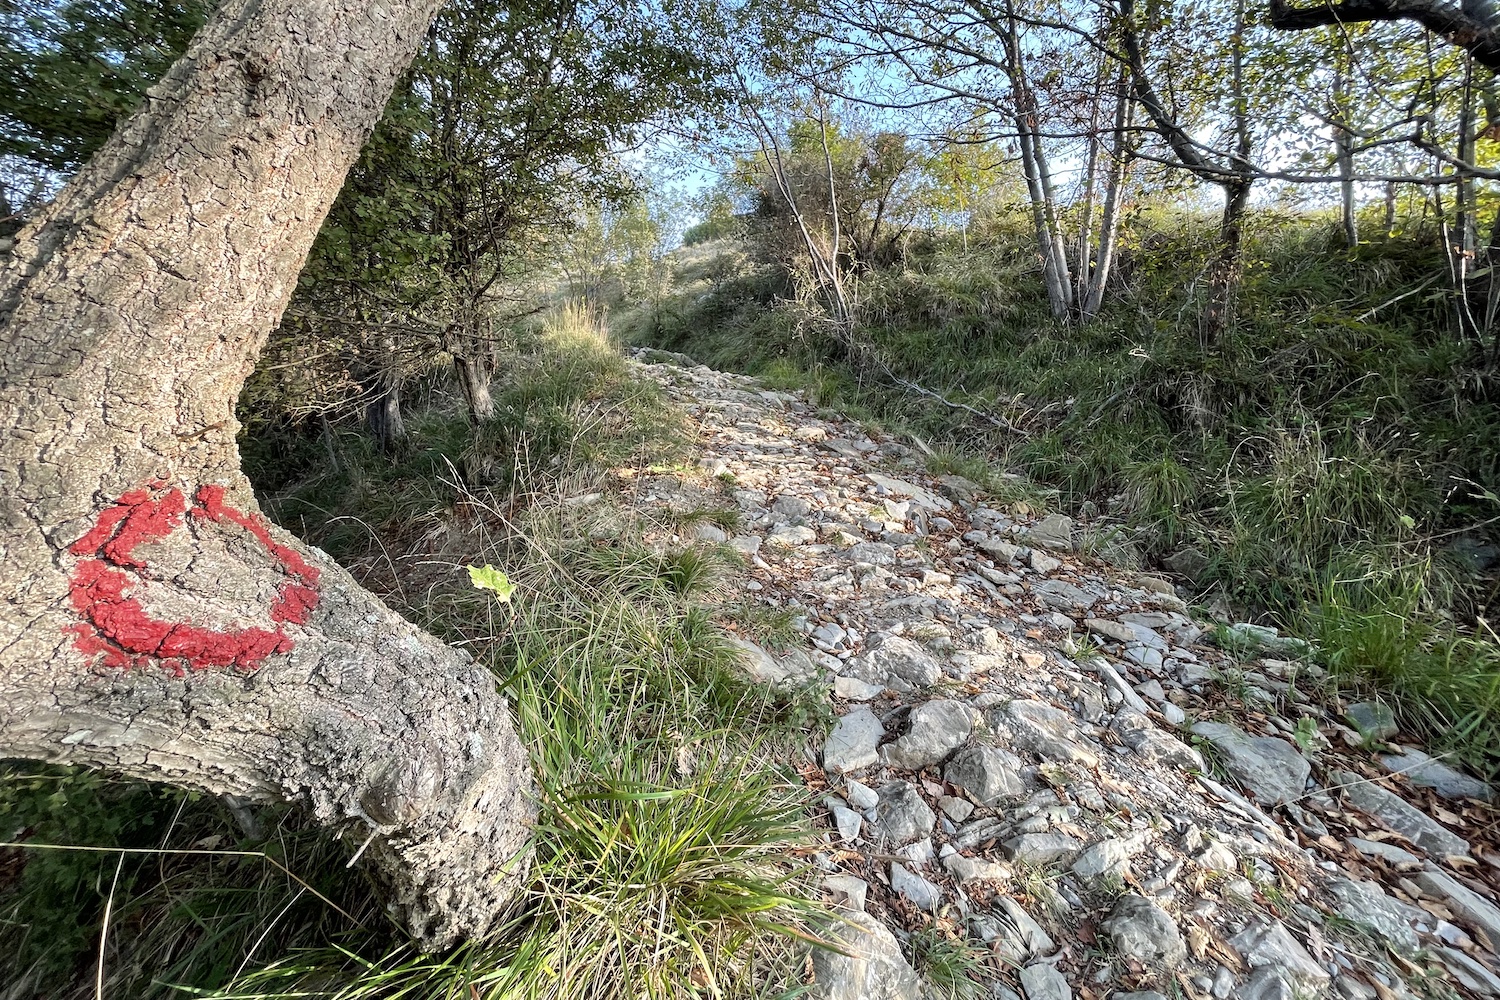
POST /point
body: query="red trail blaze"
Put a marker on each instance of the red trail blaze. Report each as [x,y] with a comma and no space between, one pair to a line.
[115,624]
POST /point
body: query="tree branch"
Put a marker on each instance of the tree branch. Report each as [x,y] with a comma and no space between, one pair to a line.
[1450,21]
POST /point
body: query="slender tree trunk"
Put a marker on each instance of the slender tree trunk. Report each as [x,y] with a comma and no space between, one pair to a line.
[382,383]
[1461,247]
[1084,259]
[383,418]
[1038,179]
[1224,274]
[474,380]
[1114,196]
[825,265]
[157,625]
[1343,147]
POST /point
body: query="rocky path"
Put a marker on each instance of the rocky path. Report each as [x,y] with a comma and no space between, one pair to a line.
[1047,754]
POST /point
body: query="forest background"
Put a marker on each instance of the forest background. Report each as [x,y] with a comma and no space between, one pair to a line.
[1215,277]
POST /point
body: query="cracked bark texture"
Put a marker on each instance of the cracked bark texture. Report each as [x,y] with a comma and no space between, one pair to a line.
[131,312]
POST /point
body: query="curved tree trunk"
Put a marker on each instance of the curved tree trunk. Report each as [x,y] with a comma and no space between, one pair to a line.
[157,625]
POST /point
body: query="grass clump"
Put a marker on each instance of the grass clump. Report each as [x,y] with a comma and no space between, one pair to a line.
[953,968]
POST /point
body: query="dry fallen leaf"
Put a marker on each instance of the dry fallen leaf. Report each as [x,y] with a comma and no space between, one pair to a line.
[1436,909]
[1198,941]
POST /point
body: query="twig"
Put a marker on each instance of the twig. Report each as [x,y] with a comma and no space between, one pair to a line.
[1390,302]
[990,418]
[1240,804]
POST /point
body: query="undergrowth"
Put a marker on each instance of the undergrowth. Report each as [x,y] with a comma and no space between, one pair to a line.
[1335,430]
[666,855]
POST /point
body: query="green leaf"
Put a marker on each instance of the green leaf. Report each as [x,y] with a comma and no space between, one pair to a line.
[1408,522]
[487,577]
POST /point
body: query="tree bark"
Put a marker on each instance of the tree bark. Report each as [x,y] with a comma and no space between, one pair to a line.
[1343,149]
[1470,26]
[1050,244]
[471,367]
[158,626]
[1114,197]
[383,417]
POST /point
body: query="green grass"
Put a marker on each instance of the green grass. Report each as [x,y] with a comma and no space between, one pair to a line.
[666,855]
[954,968]
[1327,433]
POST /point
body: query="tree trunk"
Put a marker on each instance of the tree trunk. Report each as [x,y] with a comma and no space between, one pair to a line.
[383,418]
[474,380]
[1114,197]
[382,381]
[470,365]
[158,626]
[1343,148]
[1224,273]
[1050,246]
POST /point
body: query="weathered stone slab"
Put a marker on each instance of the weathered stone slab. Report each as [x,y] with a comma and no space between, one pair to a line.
[1399,815]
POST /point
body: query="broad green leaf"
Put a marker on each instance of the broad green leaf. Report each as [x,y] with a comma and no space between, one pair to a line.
[487,577]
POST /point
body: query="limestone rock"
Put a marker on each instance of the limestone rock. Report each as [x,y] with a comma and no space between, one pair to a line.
[791,534]
[874,553]
[1188,562]
[901,488]
[958,489]
[847,822]
[1043,982]
[1013,935]
[1400,816]
[1391,920]
[1428,772]
[872,967]
[1387,852]
[898,663]
[924,894]
[986,773]
[1270,983]
[1271,945]
[1373,720]
[852,743]
[1040,848]
[1143,931]
[1002,552]
[976,869]
[1108,857]
[1117,631]
[1271,770]
[791,670]
[860,795]
[1048,731]
[937,728]
[854,689]
[955,808]
[1043,563]
[1478,912]
[1063,596]
[1141,735]
[1264,639]
[902,816]
[1055,531]
[848,892]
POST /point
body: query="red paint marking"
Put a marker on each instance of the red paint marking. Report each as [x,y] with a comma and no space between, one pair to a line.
[117,627]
